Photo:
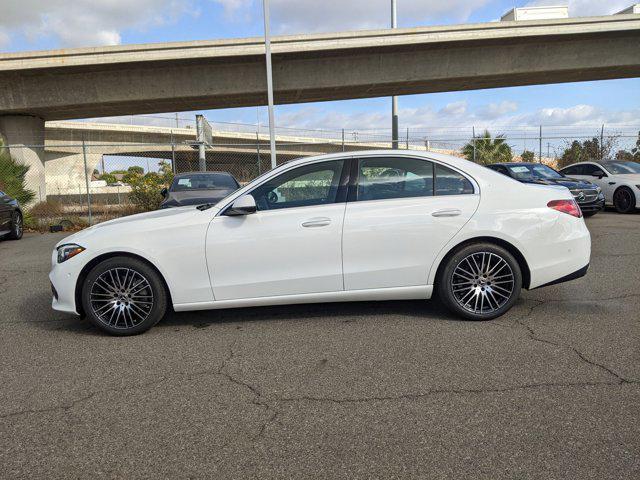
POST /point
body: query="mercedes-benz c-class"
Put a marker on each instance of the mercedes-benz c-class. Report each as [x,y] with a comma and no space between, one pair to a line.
[358,226]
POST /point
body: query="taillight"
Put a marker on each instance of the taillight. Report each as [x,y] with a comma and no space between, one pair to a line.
[566,206]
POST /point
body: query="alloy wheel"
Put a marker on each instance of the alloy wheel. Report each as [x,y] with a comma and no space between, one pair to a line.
[482,282]
[623,199]
[17,225]
[121,298]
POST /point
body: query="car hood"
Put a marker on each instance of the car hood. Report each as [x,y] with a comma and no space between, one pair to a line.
[570,183]
[196,197]
[152,222]
[629,177]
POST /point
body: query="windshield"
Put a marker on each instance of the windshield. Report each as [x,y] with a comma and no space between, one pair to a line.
[533,172]
[203,181]
[620,168]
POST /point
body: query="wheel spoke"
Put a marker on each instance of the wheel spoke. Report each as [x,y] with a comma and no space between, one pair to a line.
[482,282]
[121,298]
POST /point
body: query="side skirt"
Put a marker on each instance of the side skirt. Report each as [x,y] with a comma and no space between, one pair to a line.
[420,292]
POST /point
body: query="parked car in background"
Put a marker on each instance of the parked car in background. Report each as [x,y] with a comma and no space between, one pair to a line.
[11,220]
[619,181]
[362,226]
[198,188]
[588,195]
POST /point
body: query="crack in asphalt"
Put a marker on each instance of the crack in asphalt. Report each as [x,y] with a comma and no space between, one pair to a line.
[536,337]
[258,398]
[73,403]
[459,391]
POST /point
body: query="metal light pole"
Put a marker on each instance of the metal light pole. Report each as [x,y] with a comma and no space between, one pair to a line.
[394,99]
[267,46]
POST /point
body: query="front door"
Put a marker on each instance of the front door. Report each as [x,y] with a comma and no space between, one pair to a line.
[403,212]
[5,212]
[291,245]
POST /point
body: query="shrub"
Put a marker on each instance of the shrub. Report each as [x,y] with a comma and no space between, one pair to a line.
[12,178]
[145,189]
[108,177]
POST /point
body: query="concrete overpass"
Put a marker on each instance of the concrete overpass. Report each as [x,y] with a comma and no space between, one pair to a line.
[133,79]
[232,151]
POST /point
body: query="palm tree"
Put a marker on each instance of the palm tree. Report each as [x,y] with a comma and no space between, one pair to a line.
[488,150]
[13,177]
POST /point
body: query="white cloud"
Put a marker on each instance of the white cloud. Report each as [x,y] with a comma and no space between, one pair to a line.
[496,110]
[84,22]
[457,115]
[454,109]
[586,8]
[301,16]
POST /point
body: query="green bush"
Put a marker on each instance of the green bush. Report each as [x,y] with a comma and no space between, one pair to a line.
[12,178]
[145,189]
[108,177]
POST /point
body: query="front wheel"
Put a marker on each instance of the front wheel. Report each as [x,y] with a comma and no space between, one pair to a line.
[624,200]
[480,282]
[16,226]
[124,296]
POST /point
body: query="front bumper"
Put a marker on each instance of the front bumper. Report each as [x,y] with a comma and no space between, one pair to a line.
[63,277]
[593,206]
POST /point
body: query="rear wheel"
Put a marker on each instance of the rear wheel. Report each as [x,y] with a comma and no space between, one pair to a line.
[480,281]
[16,226]
[624,200]
[124,296]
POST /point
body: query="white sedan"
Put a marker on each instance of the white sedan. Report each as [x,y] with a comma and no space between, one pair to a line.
[619,181]
[362,226]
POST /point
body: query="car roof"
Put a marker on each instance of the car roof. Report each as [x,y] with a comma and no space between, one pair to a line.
[184,174]
[518,163]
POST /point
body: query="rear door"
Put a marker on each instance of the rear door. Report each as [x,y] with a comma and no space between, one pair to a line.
[400,214]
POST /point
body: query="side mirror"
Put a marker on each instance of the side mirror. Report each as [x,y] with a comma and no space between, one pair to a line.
[164,192]
[244,205]
[598,173]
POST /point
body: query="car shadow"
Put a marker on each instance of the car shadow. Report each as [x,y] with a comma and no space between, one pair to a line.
[36,310]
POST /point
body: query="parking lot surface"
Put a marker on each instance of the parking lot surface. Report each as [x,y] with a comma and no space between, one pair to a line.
[362,390]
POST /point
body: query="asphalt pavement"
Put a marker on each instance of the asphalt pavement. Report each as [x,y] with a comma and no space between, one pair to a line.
[362,390]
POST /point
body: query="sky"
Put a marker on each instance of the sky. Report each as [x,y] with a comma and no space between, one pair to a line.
[48,24]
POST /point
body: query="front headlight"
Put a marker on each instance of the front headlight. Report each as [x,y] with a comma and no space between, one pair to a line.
[65,252]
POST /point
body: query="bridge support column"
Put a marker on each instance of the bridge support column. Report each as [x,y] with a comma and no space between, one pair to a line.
[25,136]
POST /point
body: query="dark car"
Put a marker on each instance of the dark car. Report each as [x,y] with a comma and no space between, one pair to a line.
[10,217]
[198,188]
[589,196]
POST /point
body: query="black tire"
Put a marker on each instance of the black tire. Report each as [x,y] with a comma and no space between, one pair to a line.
[589,214]
[131,306]
[502,290]
[624,200]
[16,226]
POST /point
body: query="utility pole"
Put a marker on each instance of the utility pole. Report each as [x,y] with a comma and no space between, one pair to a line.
[394,99]
[267,47]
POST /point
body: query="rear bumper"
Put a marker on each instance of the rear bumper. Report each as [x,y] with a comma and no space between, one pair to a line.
[567,278]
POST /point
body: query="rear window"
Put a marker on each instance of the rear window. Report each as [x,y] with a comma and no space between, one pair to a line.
[208,181]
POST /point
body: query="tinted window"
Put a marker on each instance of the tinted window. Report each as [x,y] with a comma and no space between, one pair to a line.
[574,170]
[315,184]
[385,178]
[450,182]
[589,169]
[203,181]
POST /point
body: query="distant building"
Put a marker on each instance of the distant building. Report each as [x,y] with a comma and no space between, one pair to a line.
[535,13]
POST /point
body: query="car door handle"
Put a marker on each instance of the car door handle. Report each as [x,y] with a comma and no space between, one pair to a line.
[448,212]
[316,222]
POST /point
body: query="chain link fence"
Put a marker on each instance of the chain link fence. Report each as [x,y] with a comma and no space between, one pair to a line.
[74,184]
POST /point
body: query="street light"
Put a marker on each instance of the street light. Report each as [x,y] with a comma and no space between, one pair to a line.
[267,46]
[394,99]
